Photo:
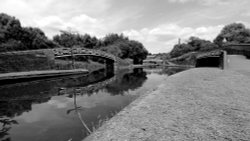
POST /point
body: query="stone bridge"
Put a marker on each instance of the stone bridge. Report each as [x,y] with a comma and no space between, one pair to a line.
[63,52]
[110,60]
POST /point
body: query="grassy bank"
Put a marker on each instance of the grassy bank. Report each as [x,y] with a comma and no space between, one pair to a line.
[24,62]
[40,60]
[186,59]
[34,62]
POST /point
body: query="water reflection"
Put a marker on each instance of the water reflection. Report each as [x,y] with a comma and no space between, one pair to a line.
[47,88]
[77,109]
[6,126]
[68,108]
[165,70]
[128,81]
[18,98]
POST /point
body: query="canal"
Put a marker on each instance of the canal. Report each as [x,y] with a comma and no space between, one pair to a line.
[70,108]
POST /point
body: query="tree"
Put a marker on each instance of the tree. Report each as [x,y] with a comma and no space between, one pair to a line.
[68,39]
[201,44]
[88,41]
[208,46]
[124,48]
[65,39]
[137,52]
[180,49]
[194,44]
[9,27]
[113,49]
[116,44]
[120,41]
[34,38]
[233,33]
[113,38]
[15,37]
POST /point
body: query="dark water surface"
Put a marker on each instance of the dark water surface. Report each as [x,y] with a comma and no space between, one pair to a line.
[68,108]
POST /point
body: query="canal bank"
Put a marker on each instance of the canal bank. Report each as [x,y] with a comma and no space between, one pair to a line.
[6,78]
[197,104]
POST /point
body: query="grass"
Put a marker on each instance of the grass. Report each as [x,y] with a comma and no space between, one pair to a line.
[24,62]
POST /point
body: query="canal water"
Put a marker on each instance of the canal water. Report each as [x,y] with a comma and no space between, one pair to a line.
[69,108]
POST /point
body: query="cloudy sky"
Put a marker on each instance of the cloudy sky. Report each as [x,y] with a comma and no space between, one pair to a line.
[156,23]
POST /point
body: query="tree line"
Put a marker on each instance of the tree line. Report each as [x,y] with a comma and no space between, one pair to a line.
[235,33]
[14,37]
[116,44]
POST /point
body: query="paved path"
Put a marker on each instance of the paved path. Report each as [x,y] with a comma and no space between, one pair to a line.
[204,104]
[238,62]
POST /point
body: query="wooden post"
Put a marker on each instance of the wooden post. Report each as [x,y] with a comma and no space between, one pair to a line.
[72,58]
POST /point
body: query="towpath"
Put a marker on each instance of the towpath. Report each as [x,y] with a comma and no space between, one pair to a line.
[204,104]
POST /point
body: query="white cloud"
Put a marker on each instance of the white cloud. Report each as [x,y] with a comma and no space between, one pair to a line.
[54,15]
[170,29]
[151,38]
[180,1]
[215,2]
[51,25]
[246,14]
[205,2]
[86,24]
[139,20]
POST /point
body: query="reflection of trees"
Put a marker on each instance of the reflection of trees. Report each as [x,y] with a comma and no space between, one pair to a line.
[129,81]
[164,70]
[91,84]
[10,109]
[18,98]
[81,81]
[6,126]
[95,77]
[172,70]
[17,107]
[26,90]
[14,108]
[48,88]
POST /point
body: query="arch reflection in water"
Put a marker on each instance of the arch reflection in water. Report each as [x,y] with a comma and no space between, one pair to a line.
[44,108]
[70,107]
[165,70]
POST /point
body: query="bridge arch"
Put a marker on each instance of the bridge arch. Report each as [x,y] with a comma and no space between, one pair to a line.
[110,60]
